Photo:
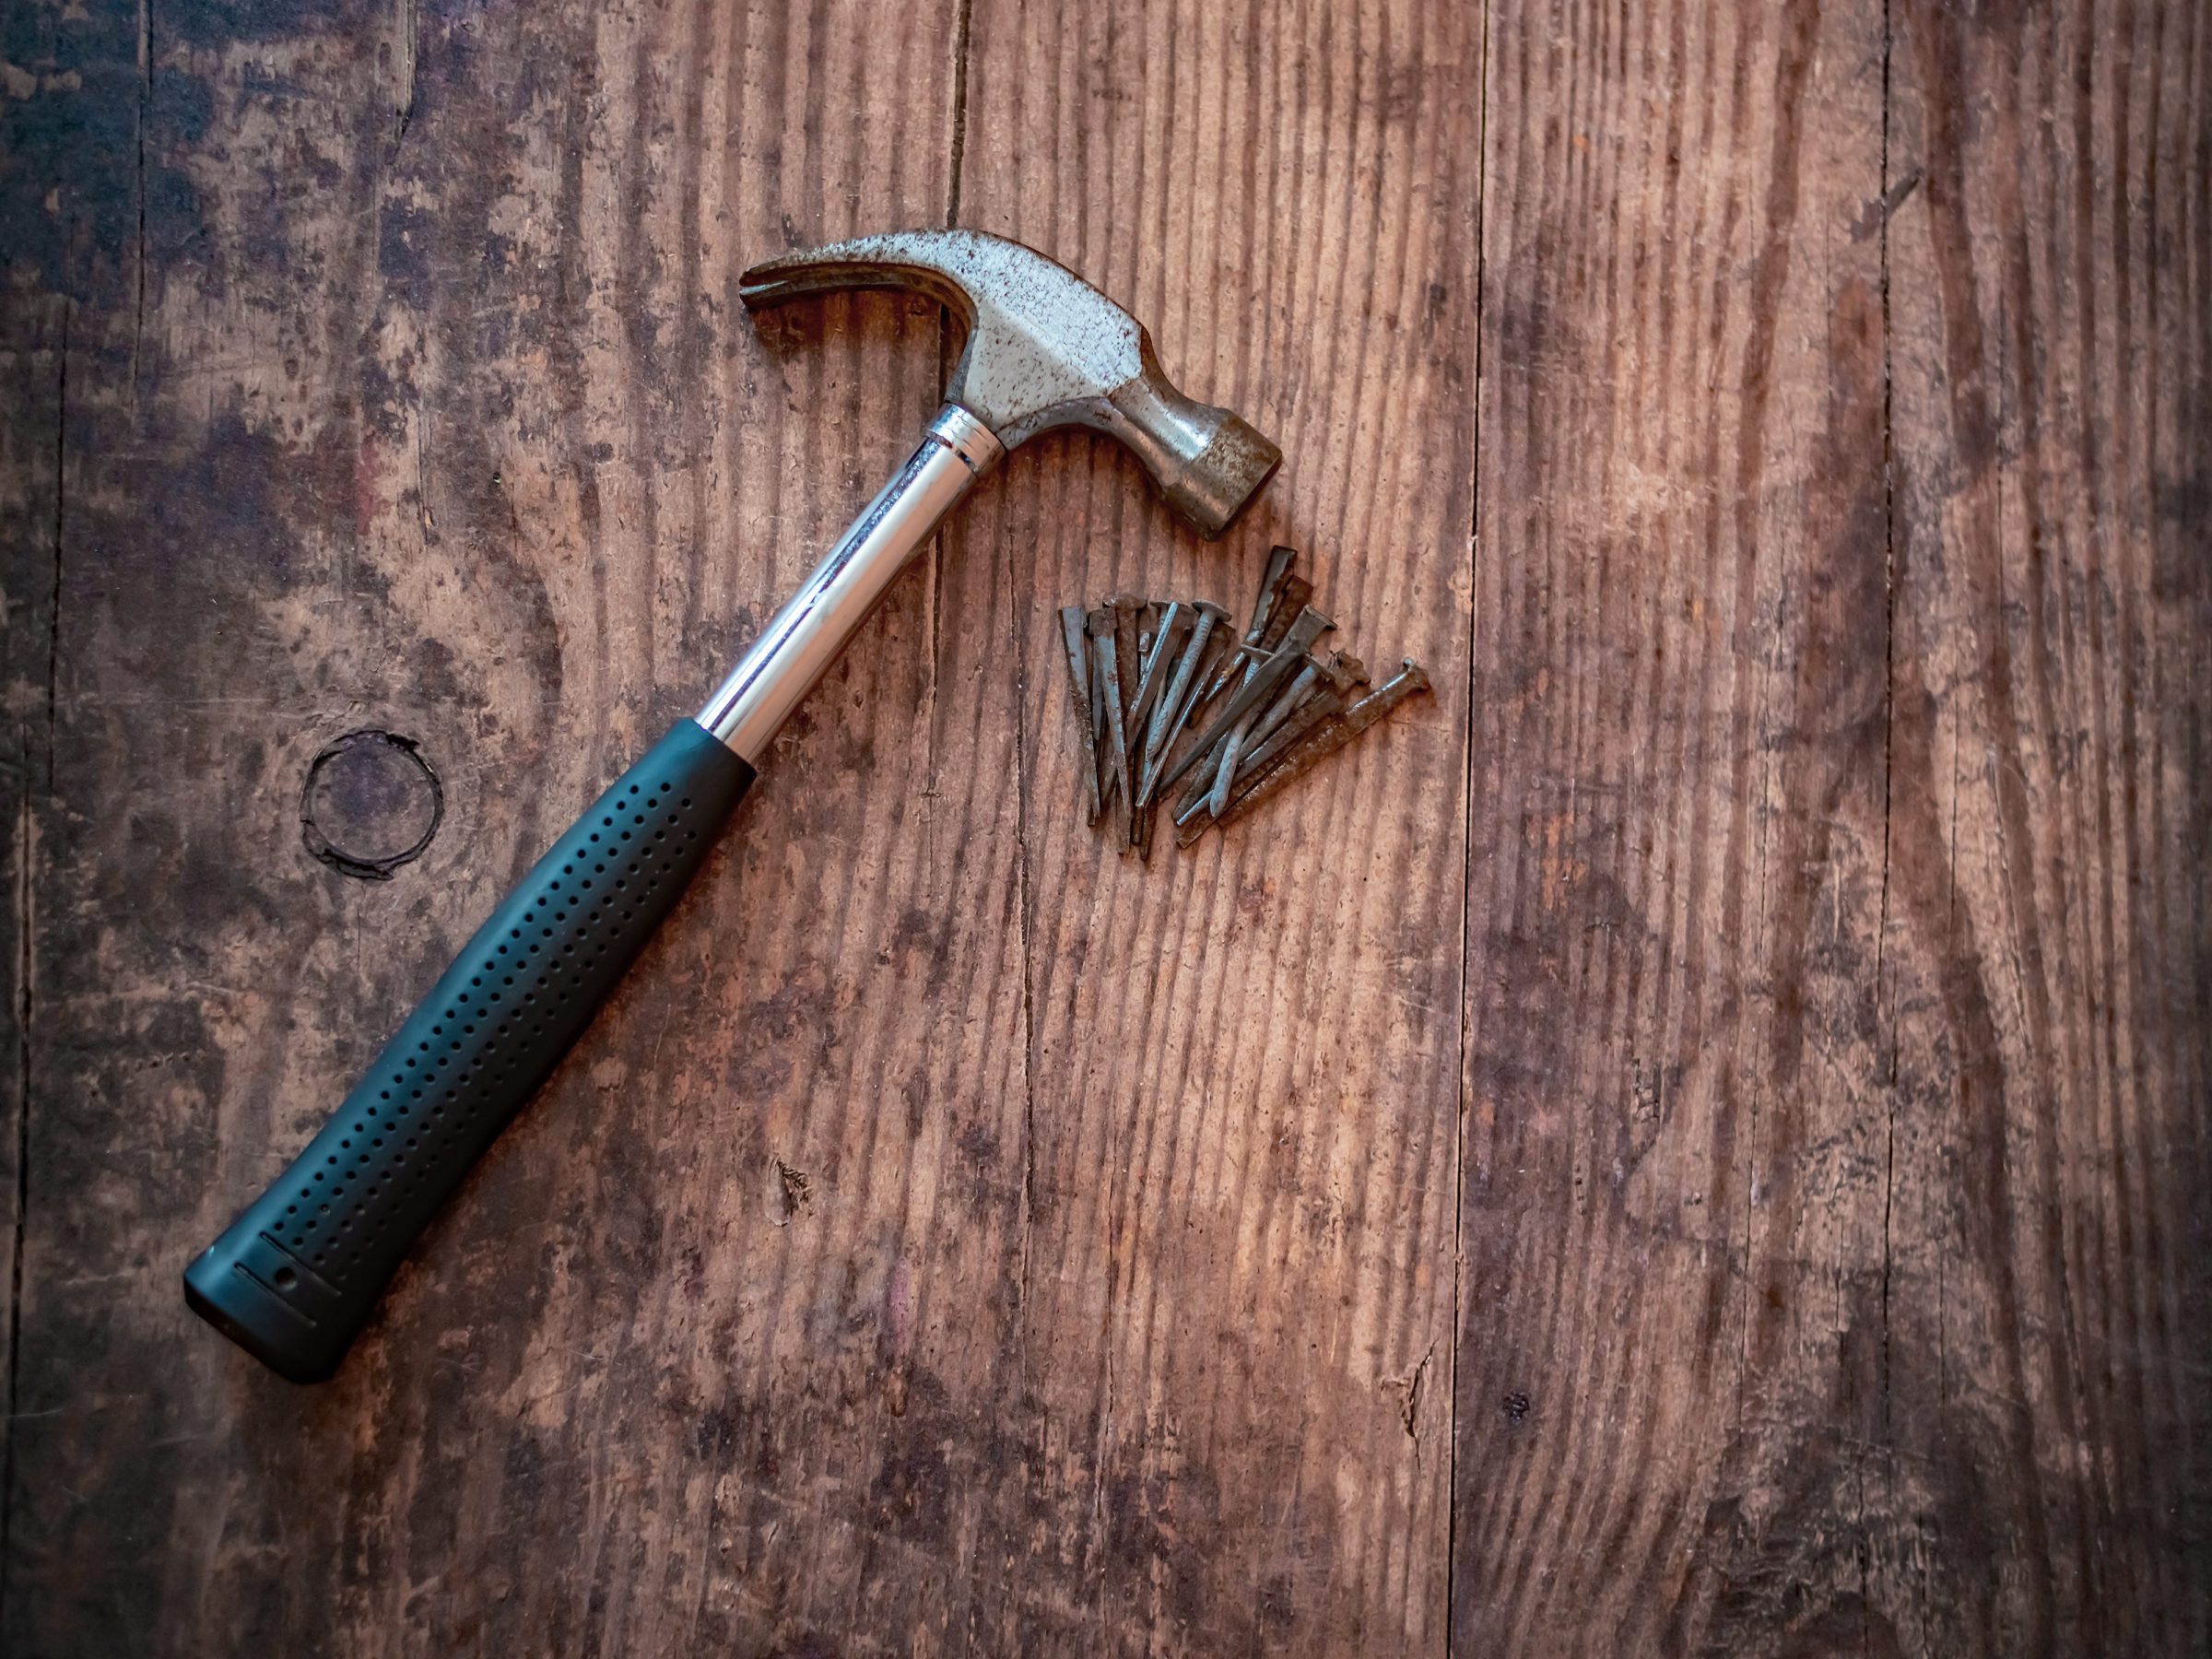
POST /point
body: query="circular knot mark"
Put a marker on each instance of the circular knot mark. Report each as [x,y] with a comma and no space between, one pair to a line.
[370,804]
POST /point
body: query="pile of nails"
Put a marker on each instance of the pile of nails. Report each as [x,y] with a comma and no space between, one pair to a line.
[1257,712]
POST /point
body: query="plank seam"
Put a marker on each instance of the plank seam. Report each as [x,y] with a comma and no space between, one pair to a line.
[1881,929]
[959,115]
[1466,885]
[26,822]
[146,97]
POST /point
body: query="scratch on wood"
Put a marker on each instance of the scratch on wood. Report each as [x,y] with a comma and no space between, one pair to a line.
[1409,1390]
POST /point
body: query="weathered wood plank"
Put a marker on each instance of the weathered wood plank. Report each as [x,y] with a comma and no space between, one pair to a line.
[451,425]
[1235,1320]
[1825,1117]
[1664,394]
[2052,317]
[33,353]
[72,228]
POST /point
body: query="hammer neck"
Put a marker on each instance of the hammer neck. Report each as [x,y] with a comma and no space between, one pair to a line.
[785,663]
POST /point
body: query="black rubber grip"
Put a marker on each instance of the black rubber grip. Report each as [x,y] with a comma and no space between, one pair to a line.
[295,1278]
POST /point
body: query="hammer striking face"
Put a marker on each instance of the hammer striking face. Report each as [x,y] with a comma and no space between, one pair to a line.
[296,1275]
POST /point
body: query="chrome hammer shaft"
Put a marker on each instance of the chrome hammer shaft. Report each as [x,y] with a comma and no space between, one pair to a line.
[807,633]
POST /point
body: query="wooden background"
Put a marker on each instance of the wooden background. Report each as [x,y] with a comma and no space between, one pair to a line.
[1693,1140]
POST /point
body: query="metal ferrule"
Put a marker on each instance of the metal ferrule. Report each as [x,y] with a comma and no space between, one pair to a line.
[784,662]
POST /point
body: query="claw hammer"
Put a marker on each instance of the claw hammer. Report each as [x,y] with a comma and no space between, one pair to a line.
[293,1280]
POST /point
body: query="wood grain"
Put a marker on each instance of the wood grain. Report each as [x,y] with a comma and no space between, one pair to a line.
[1693,1140]
[1834,1127]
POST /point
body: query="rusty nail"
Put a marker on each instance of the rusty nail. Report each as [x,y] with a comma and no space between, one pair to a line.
[1318,745]
[1106,691]
[1265,605]
[1259,685]
[1180,696]
[1071,636]
[1159,665]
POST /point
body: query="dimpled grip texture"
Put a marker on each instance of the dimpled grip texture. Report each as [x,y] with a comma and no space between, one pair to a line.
[295,1278]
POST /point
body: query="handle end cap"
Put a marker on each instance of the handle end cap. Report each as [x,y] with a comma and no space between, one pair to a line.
[231,1299]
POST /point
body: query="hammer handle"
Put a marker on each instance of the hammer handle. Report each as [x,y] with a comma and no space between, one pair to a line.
[294,1279]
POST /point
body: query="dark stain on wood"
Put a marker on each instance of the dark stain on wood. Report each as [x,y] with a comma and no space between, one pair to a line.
[369,804]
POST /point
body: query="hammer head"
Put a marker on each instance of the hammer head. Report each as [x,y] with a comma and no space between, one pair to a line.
[1046,349]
